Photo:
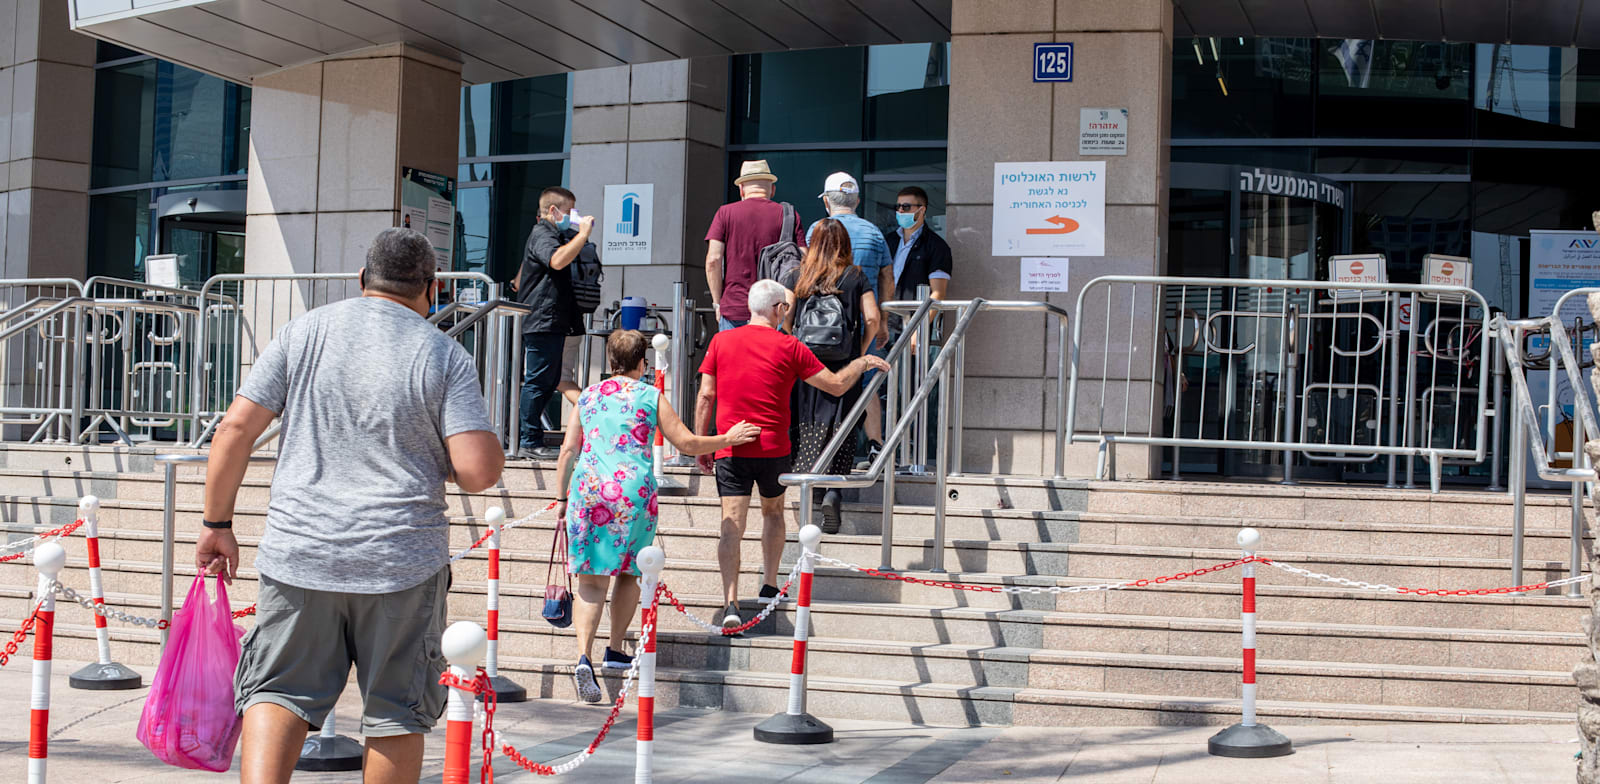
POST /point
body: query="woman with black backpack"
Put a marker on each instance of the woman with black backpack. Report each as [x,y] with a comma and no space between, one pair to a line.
[835,314]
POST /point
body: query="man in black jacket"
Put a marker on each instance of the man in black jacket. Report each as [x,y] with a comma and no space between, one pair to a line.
[921,258]
[545,284]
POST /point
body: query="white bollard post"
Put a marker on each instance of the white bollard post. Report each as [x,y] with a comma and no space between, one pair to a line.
[795,726]
[1247,738]
[48,558]
[651,560]
[104,674]
[463,646]
[505,689]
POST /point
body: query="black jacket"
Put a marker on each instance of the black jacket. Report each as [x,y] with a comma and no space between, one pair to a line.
[547,291]
[929,254]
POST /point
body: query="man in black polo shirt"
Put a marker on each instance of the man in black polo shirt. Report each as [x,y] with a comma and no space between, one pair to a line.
[921,258]
[545,284]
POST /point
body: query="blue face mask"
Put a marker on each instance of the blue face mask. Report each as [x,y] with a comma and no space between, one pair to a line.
[564,222]
[905,219]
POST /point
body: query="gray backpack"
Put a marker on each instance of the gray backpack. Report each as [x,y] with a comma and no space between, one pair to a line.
[783,256]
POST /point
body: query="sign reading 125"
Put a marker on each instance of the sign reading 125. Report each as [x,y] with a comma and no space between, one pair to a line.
[1052,62]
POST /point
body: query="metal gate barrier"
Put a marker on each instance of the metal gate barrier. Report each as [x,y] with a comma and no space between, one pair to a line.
[1334,373]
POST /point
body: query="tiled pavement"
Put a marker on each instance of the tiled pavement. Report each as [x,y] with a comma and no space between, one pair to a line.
[96,744]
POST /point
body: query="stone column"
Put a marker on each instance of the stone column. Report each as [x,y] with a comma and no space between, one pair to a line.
[46,102]
[327,142]
[1123,51]
[659,123]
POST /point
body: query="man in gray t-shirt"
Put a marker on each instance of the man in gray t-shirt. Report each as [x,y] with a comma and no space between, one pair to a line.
[379,409]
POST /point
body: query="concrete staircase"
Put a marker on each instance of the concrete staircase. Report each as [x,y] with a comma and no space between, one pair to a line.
[1166,654]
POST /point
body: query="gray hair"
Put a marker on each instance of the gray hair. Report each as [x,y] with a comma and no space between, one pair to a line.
[400,262]
[848,201]
[764,297]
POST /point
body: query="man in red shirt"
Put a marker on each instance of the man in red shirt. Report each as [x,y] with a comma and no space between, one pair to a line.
[734,242]
[758,366]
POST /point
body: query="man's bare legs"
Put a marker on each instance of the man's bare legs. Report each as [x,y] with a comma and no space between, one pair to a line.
[270,744]
[735,513]
[570,391]
[396,759]
[772,530]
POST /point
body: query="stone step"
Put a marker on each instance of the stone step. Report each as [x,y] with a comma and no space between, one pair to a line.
[919,701]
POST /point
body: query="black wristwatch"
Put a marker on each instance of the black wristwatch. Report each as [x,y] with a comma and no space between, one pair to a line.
[223,524]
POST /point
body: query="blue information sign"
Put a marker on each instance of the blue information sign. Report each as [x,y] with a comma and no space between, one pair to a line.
[1052,62]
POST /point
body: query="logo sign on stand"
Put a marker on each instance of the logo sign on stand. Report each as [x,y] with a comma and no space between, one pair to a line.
[1052,62]
[1447,270]
[1357,269]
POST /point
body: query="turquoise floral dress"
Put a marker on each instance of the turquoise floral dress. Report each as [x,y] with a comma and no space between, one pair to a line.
[611,504]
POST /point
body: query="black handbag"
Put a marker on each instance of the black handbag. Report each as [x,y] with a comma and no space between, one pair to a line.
[558,597]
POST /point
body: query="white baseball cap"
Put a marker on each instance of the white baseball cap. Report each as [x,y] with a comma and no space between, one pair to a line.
[839,182]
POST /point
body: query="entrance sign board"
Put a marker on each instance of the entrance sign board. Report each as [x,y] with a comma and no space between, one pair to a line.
[1049,208]
[630,219]
[1102,131]
[1368,268]
[427,205]
[1052,62]
[162,270]
[1440,270]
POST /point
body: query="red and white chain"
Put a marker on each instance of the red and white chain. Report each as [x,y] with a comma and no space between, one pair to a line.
[12,551]
[1362,585]
[20,635]
[769,605]
[583,756]
[1037,589]
[508,526]
[104,610]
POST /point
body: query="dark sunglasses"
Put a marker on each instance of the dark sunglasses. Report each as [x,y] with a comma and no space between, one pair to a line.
[906,207]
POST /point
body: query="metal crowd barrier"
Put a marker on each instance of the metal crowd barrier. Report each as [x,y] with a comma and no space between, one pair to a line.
[1330,372]
[39,370]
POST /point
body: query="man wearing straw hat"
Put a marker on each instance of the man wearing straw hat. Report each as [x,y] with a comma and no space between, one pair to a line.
[737,234]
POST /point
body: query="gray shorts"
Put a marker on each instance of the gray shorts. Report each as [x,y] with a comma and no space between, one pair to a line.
[299,654]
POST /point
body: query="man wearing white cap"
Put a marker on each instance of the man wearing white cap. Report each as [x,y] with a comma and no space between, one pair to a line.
[737,234]
[841,195]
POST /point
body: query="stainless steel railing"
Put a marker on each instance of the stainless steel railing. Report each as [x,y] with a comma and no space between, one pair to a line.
[901,420]
[1328,372]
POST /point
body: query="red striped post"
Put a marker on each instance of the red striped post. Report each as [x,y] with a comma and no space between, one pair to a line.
[795,726]
[505,689]
[48,558]
[463,646]
[651,560]
[103,674]
[1247,738]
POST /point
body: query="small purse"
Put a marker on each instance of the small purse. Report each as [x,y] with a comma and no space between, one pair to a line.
[558,597]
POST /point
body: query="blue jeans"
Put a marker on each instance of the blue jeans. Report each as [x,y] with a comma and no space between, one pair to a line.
[726,324]
[541,371]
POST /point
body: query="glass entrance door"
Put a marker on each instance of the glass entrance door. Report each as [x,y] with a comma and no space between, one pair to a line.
[1238,222]
[203,248]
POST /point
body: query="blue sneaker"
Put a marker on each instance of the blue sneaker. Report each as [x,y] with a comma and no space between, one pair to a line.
[583,677]
[616,661]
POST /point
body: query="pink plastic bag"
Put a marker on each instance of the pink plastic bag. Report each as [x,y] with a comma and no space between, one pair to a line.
[188,718]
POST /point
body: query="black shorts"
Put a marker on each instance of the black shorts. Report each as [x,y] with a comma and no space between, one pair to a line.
[735,475]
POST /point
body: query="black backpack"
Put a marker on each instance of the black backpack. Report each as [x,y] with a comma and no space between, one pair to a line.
[586,277]
[781,257]
[822,325]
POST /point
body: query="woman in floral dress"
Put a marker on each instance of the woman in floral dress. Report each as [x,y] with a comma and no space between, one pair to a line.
[609,506]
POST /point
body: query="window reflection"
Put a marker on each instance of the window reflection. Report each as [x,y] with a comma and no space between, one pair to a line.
[1247,88]
[517,117]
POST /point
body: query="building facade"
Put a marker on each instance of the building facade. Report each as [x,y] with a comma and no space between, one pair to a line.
[1449,147]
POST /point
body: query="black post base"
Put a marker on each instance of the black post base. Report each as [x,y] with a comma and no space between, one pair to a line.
[506,690]
[337,753]
[790,730]
[1255,741]
[105,677]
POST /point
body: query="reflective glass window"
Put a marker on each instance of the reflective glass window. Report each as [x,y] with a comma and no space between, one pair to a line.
[497,207]
[1395,160]
[1407,220]
[518,117]
[1536,92]
[1393,89]
[801,174]
[808,96]
[119,234]
[1292,158]
[1242,88]
[890,170]
[155,121]
[908,91]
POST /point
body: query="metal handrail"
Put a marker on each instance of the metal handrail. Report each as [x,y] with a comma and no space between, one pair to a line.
[937,373]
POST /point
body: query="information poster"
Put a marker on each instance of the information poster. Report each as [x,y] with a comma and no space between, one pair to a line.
[1050,208]
[427,206]
[1558,262]
[629,219]
[1103,131]
[1044,274]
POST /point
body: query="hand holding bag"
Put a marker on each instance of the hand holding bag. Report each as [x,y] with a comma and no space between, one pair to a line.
[188,719]
[558,597]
